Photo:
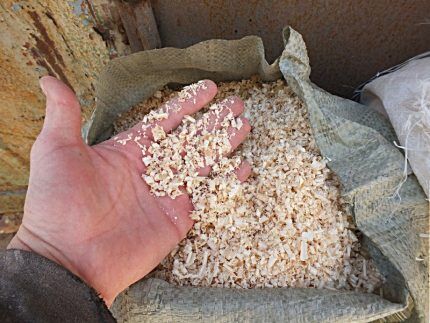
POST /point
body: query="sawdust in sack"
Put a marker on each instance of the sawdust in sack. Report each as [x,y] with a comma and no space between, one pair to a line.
[357,145]
[284,227]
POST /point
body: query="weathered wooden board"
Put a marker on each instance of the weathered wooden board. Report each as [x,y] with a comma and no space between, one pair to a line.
[127,26]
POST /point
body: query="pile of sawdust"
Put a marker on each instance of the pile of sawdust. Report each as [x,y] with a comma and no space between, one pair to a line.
[285,226]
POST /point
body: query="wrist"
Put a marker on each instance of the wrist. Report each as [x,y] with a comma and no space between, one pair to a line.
[24,239]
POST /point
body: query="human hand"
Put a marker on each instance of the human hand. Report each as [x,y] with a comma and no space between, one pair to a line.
[88,208]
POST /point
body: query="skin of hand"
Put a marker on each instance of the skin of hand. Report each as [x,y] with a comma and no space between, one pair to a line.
[88,208]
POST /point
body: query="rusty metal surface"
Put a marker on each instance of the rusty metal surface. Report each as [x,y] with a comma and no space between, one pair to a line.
[37,38]
[348,41]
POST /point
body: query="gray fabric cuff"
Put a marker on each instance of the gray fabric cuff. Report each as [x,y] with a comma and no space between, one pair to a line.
[35,289]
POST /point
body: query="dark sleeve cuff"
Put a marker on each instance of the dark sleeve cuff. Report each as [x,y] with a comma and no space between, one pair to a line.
[35,289]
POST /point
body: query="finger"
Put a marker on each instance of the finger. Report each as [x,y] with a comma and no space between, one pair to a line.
[178,210]
[190,100]
[237,136]
[63,112]
[205,171]
[243,171]
[212,120]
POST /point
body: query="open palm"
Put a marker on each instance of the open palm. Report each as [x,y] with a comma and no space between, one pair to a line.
[89,209]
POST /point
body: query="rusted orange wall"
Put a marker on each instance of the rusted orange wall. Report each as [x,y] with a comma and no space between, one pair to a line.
[37,38]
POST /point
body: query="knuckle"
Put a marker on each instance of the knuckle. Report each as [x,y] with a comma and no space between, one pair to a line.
[246,124]
[38,144]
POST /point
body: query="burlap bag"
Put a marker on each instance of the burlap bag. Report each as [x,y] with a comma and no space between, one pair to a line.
[356,140]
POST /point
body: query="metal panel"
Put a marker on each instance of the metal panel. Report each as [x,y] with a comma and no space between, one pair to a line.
[348,41]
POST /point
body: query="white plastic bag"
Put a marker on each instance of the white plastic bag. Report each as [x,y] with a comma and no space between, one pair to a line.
[403,95]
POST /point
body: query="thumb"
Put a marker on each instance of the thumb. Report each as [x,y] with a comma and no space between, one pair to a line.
[63,112]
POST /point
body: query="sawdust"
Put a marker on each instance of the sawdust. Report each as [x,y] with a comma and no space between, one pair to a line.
[285,226]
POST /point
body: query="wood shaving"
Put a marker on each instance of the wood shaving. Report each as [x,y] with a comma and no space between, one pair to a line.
[285,227]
